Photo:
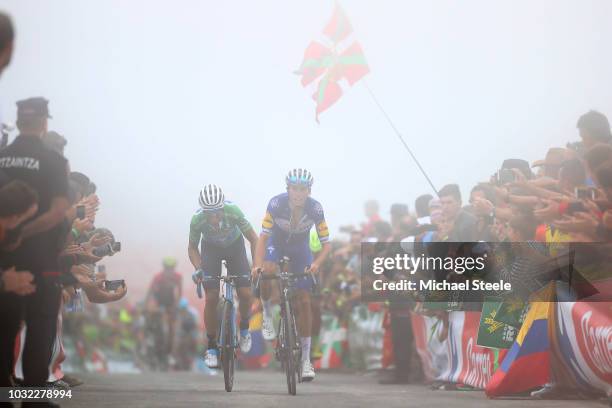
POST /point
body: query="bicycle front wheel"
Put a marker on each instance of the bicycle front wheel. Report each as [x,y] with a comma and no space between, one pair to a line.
[228,355]
[289,338]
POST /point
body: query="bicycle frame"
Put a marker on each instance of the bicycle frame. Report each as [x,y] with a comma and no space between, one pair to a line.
[227,346]
[228,297]
[286,289]
[288,347]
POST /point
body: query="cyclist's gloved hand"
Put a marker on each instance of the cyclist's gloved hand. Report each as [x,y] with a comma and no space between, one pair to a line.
[197,276]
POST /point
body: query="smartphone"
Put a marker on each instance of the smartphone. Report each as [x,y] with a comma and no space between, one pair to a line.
[584,193]
[80,212]
[113,285]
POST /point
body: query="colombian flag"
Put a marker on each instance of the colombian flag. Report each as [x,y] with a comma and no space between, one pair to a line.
[527,364]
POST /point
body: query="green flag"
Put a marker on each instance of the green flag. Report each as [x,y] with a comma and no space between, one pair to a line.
[492,333]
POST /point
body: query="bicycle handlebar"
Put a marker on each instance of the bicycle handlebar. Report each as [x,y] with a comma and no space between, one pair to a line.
[200,282]
[277,276]
[283,274]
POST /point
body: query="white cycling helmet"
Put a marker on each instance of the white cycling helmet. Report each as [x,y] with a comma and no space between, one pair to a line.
[211,197]
[299,176]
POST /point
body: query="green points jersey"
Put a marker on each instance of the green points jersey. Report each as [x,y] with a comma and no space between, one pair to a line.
[232,225]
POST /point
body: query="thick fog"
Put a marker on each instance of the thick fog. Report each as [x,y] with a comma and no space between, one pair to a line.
[158,98]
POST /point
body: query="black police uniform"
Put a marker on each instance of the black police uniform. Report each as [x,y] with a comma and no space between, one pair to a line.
[27,159]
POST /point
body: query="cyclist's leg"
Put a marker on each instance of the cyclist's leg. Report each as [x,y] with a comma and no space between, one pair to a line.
[303,308]
[270,267]
[238,264]
[301,258]
[211,264]
[267,286]
[267,289]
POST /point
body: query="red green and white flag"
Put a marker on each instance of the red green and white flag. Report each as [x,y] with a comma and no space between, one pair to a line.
[333,342]
[334,63]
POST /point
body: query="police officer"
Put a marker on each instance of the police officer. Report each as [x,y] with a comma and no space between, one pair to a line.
[27,159]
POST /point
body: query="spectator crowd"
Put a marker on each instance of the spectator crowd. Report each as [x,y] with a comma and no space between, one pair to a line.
[49,243]
[564,198]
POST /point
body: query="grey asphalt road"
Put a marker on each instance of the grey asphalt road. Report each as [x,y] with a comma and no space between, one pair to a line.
[268,389]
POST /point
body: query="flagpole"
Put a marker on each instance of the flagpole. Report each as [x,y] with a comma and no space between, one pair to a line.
[399,136]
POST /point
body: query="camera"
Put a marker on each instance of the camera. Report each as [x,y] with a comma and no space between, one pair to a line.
[108,249]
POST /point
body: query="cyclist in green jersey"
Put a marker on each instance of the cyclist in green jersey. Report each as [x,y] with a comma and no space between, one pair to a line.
[218,228]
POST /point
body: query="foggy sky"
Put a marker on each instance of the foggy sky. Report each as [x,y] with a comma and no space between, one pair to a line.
[158,98]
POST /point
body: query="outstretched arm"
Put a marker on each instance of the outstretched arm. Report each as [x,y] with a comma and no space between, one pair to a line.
[251,236]
[194,255]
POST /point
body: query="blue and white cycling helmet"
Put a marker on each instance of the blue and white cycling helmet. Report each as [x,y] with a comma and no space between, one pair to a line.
[299,176]
[211,198]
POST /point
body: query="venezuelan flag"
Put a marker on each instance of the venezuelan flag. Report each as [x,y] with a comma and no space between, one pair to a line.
[527,364]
